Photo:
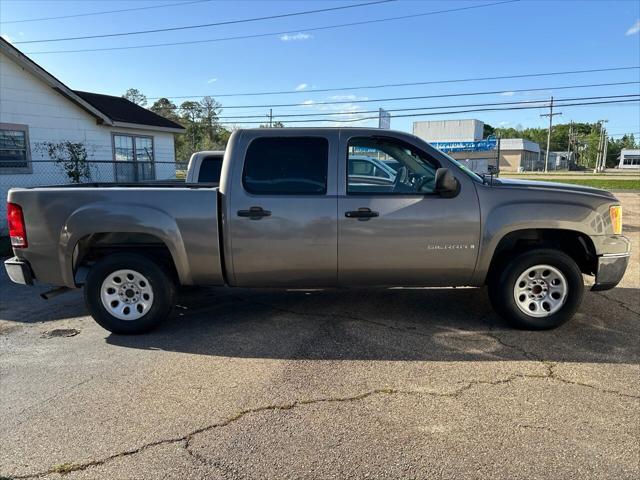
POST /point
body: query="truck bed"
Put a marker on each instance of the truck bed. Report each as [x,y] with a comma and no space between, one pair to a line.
[64,218]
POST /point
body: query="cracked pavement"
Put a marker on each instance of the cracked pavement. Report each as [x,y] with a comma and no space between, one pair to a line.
[241,384]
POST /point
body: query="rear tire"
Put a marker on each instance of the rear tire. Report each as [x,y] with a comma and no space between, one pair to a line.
[537,290]
[128,293]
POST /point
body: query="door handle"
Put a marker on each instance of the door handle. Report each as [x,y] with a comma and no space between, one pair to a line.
[254,213]
[361,213]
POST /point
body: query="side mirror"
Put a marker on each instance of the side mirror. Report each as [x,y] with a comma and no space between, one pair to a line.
[447,185]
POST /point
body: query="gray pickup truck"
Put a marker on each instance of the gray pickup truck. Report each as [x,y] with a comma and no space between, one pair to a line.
[291,210]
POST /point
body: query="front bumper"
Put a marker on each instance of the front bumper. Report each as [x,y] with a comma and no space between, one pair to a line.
[19,271]
[611,268]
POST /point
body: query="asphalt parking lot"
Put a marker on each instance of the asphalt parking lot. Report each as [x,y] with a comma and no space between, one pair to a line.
[412,383]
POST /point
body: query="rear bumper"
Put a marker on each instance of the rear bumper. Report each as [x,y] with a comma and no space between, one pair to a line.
[19,271]
[611,268]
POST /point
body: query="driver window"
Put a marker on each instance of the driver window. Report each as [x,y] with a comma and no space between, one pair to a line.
[387,166]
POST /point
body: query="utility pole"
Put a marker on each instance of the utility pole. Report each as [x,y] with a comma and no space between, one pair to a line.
[550,115]
[270,117]
[569,143]
[604,153]
[600,158]
[597,165]
[498,155]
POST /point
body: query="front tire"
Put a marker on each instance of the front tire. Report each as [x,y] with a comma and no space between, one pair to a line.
[537,290]
[128,293]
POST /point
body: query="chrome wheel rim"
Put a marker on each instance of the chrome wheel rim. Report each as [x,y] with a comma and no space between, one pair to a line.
[126,294]
[540,291]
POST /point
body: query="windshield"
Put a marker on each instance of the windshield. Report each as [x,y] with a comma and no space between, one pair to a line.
[464,169]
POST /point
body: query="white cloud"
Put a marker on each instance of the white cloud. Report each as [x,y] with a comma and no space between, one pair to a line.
[345,97]
[507,94]
[294,37]
[211,80]
[6,37]
[344,113]
[635,28]
[302,86]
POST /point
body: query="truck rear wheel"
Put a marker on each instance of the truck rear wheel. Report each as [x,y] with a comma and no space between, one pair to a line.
[128,293]
[537,290]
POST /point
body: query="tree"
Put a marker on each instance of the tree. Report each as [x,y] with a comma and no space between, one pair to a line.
[585,139]
[165,108]
[70,156]
[136,96]
[487,130]
[209,116]
[191,113]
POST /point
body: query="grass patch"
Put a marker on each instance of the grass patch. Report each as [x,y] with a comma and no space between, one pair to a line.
[603,183]
[5,247]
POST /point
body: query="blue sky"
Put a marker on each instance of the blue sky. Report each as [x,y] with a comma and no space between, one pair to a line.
[516,38]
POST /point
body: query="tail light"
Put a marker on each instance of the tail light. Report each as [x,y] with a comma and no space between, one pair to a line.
[615,212]
[17,232]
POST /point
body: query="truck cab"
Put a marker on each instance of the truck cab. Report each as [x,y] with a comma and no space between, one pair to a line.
[341,229]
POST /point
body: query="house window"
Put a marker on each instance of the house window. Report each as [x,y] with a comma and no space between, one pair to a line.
[15,156]
[134,160]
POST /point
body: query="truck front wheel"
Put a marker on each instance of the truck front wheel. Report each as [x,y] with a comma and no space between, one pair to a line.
[537,290]
[128,293]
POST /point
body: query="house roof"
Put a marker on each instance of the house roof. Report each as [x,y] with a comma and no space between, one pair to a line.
[106,109]
[122,110]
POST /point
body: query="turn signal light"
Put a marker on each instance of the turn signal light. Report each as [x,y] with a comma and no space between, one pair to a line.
[615,212]
[17,232]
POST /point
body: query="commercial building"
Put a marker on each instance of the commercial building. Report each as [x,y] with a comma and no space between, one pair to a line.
[463,140]
[629,158]
[520,155]
[449,130]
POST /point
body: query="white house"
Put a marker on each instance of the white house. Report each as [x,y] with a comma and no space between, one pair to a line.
[123,141]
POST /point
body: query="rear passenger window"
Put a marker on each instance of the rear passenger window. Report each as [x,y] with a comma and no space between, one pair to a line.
[210,170]
[286,166]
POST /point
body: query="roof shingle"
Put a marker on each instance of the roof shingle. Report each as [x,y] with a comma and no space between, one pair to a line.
[122,110]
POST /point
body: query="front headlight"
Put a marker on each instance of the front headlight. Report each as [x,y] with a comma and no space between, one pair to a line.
[615,212]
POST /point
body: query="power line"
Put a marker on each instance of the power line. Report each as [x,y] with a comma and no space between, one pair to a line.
[271,34]
[623,134]
[448,95]
[452,112]
[542,102]
[206,25]
[90,14]
[422,97]
[408,84]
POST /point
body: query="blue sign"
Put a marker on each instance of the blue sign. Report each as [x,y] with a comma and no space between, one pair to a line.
[480,146]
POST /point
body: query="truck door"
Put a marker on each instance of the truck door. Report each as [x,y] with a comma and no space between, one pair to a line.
[282,210]
[397,231]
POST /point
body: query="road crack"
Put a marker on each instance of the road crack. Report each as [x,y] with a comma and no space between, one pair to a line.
[188,438]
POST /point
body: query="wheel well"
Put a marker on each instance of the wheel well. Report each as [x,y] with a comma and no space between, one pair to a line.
[93,247]
[577,245]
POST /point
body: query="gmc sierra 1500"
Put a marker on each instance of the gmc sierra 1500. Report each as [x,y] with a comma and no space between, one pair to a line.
[291,210]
